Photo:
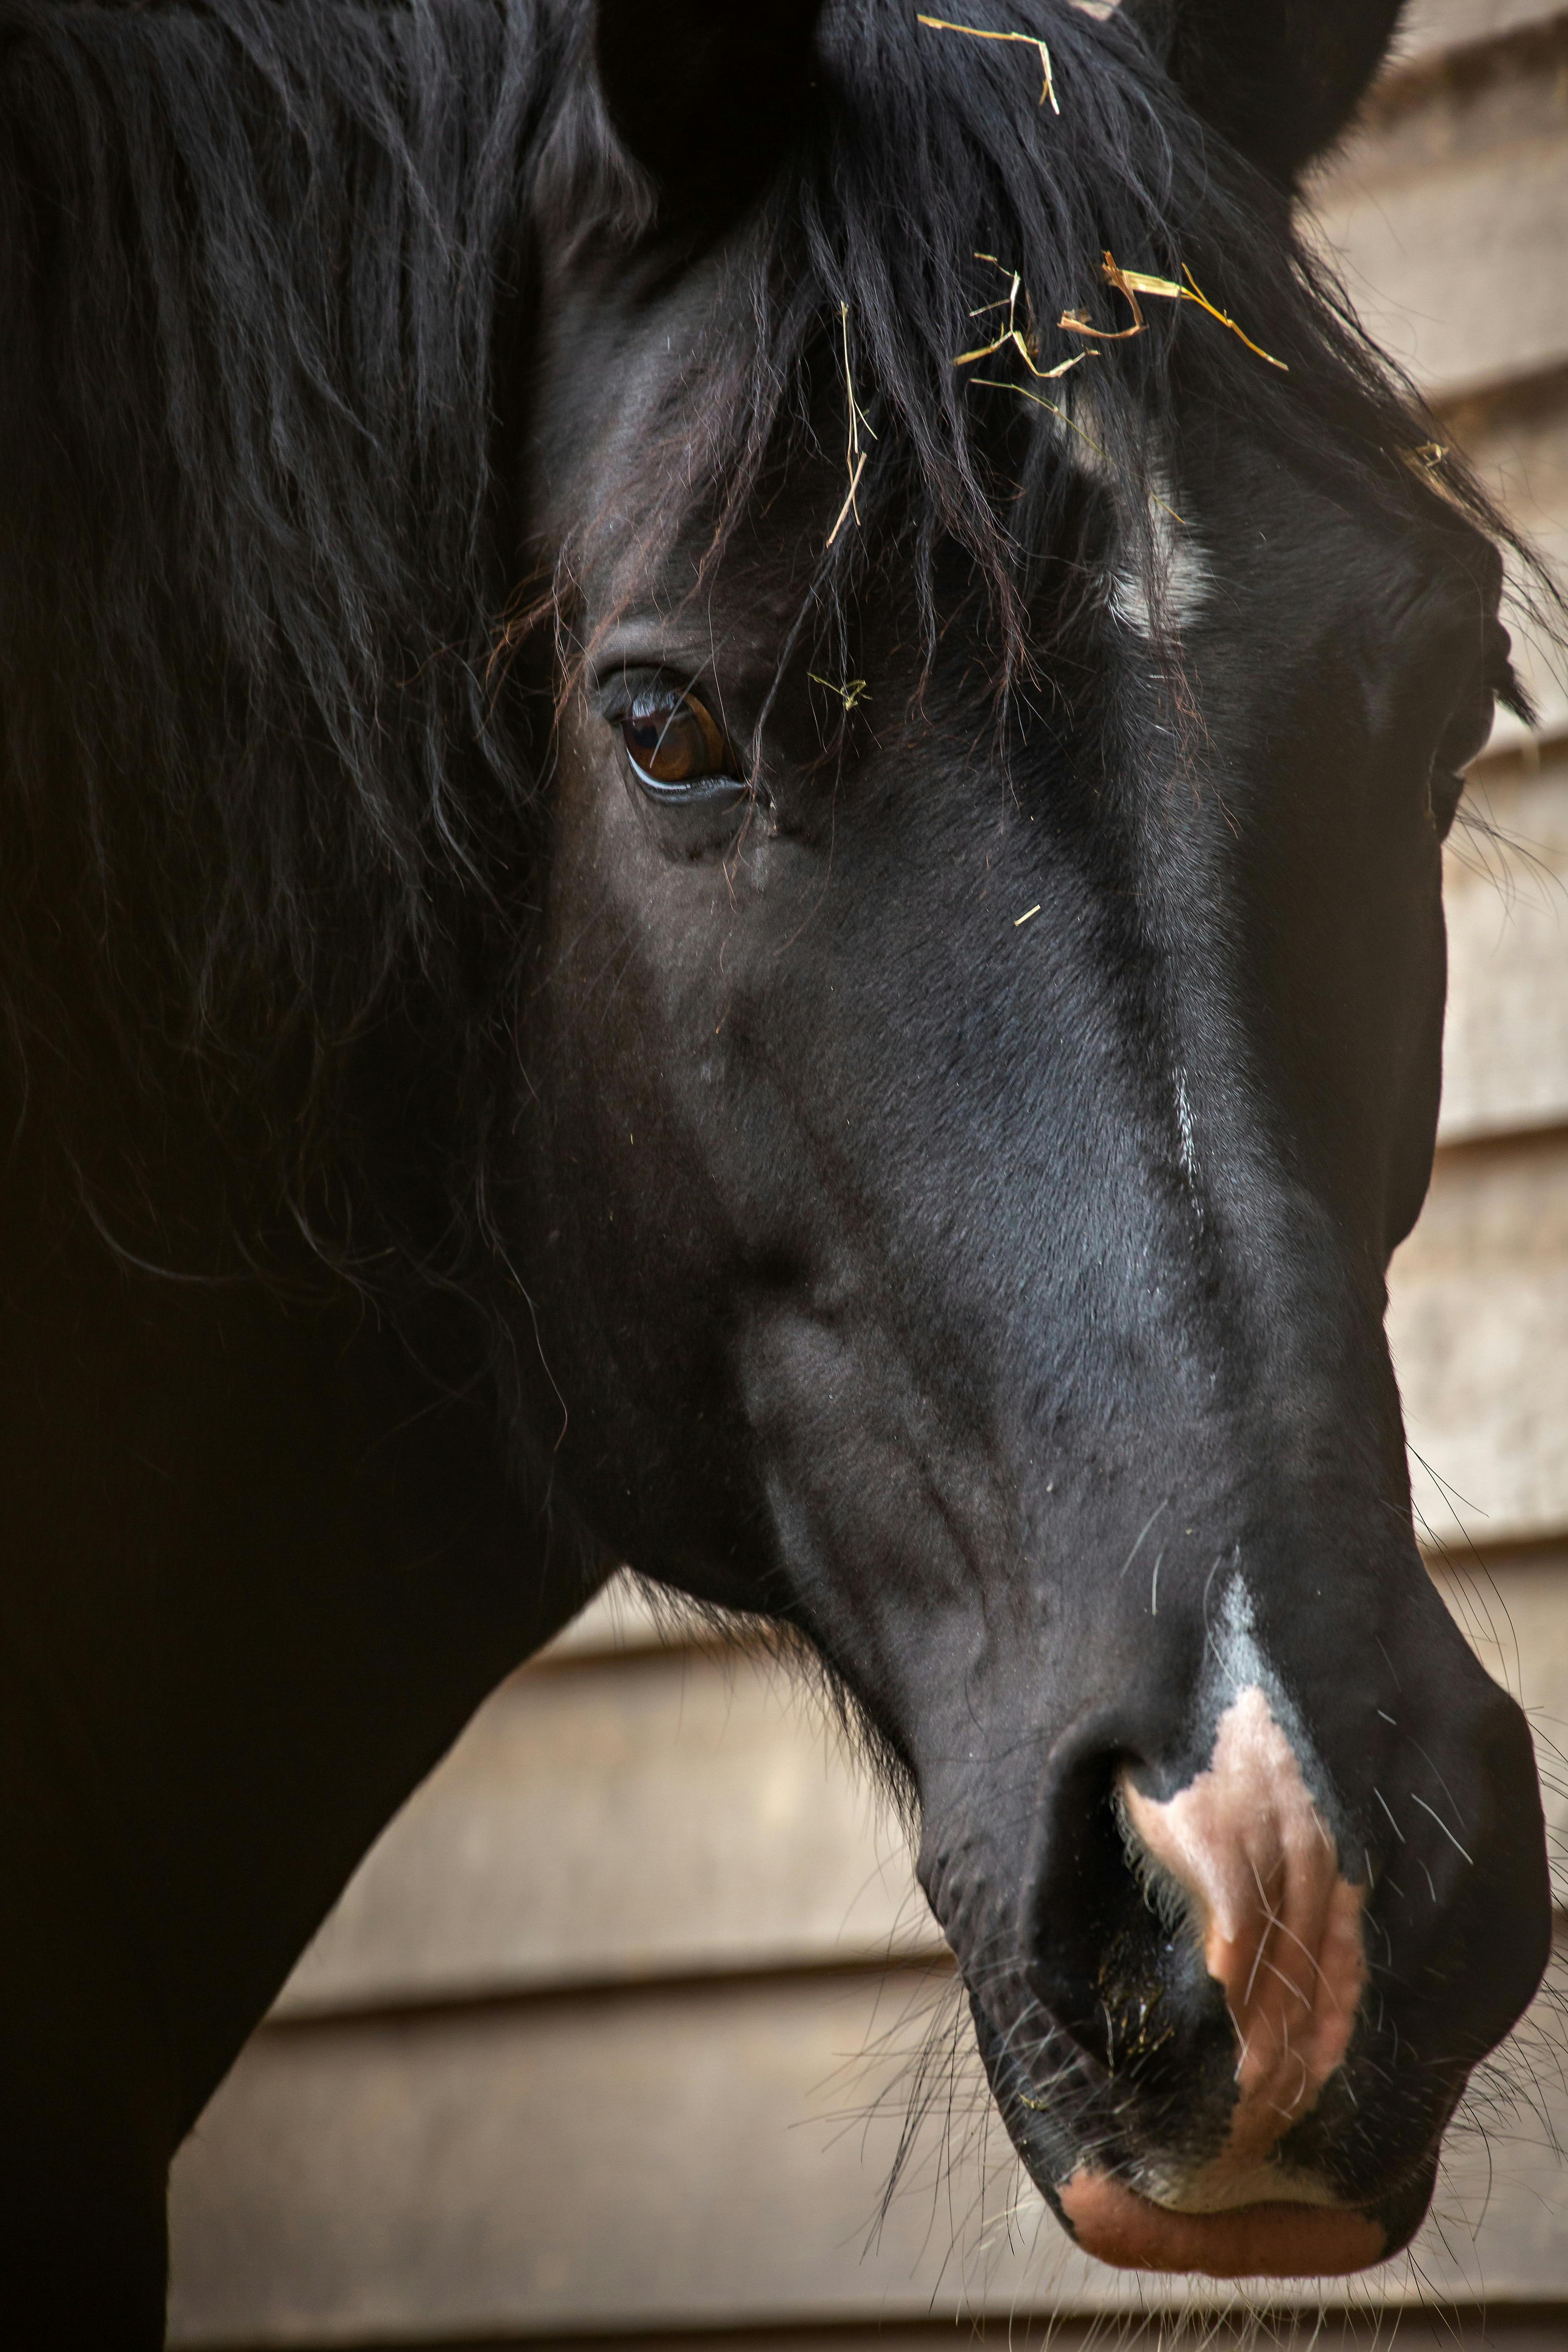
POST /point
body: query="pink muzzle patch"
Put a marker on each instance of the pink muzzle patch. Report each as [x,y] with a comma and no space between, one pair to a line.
[1281,1934]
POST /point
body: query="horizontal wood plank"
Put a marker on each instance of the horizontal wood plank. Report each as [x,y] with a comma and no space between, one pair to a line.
[1446,222]
[1479,1325]
[1517,443]
[1508,2328]
[1505,1054]
[1432,28]
[663,1815]
[675,2157]
[673,1817]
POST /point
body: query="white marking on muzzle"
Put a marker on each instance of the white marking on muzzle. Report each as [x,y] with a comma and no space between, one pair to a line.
[1256,1865]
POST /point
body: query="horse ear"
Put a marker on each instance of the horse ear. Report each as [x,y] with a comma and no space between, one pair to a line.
[1280,78]
[703,93]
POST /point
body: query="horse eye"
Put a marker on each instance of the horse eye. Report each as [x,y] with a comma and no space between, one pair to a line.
[673,742]
[1463,740]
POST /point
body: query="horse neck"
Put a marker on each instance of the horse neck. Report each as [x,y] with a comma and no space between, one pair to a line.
[258,1575]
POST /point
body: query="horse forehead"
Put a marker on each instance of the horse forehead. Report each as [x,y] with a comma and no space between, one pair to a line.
[618,405]
[1266,551]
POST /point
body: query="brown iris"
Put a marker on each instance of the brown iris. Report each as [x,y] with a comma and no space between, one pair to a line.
[674,740]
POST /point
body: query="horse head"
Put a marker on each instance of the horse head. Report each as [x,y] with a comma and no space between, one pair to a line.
[982,1037]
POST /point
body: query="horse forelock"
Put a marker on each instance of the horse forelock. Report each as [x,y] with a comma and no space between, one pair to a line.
[929,202]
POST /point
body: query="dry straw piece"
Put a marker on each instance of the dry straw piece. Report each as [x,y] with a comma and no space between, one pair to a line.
[852,692]
[1023,344]
[1428,464]
[979,33]
[1130,284]
[855,457]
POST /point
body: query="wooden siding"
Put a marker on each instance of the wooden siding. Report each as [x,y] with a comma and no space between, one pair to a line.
[719,1829]
[1446,218]
[613,2031]
[676,2156]
[646,1816]
[1478,1321]
[1438,28]
[1518,438]
[1505,1054]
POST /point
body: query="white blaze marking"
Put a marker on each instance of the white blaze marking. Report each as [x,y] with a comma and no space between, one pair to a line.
[1183,580]
[1184,1129]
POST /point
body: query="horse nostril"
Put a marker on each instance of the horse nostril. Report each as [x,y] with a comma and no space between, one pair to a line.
[1115,1957]
[1205,1942]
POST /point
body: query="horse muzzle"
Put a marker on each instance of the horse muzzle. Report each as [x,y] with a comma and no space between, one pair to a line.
[1232,2031]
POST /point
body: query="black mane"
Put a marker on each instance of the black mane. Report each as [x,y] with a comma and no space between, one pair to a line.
[269,798]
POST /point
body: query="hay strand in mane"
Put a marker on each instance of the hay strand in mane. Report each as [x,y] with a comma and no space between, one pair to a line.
[850,693]
[1130,284]
[1026,346]
[855,457]
[1030,40]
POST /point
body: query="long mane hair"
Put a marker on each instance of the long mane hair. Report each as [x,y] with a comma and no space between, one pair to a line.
[274,816]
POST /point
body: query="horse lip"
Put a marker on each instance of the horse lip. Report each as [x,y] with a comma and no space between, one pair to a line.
[1275,2240]
[1221,2187]
[1282,2235]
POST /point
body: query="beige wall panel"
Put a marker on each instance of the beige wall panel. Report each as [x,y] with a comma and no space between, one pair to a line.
[1430,27]
[1447,224]
[661,2159]
[652,2160]
[1479,1325]
[1514,1615]
[1482,1376]
[715,1828]
[658,1814]
[1505,1055]
[1517,443]
[624,1616]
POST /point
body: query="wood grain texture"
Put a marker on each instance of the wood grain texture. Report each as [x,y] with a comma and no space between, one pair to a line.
[1431,28]
[1505,1054]
[663,1815]
[1539,2328]
[1478,1321]
[1448,227]
[1517,443]
[676,2157]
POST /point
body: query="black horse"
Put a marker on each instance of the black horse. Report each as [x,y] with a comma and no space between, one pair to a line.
[721,846]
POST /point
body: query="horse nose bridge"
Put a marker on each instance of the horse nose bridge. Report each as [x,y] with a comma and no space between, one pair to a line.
[1244,1333]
